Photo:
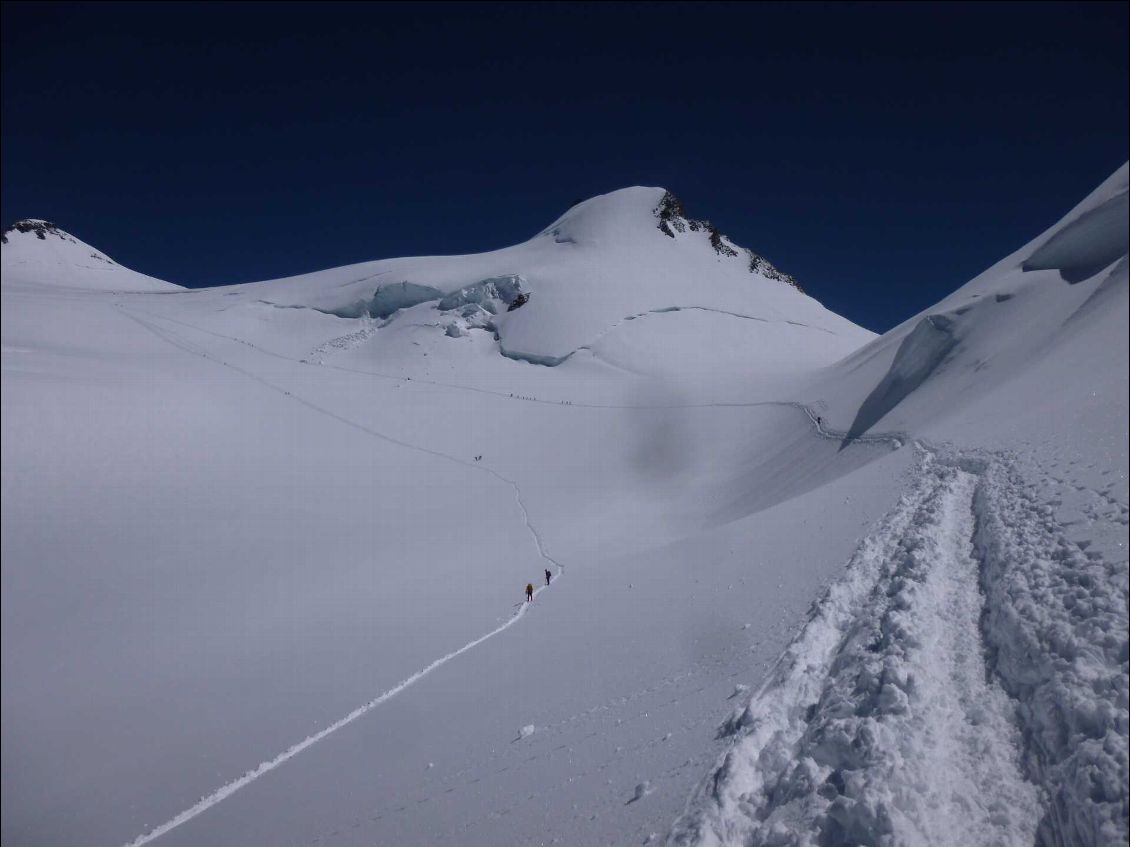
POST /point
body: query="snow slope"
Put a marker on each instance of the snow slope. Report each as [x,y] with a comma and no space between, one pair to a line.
[966,681]
[1038,315]
[603,263]
[264,549]
[37,252]
[240,529]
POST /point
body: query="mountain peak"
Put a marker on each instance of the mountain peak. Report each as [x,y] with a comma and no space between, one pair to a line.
[630,212]
[38,252]
[673,218]
[39,227]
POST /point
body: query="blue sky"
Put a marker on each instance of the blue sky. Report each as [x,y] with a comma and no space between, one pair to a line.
[882,153]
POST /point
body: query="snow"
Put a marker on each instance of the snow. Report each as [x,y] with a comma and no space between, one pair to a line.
[879,725]
[47,256]
[265,549]
[1057,627]
[1014,390]
[597,265]
[486,293]
[1095,239]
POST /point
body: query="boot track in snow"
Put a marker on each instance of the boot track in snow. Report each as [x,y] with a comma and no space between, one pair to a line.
[176,339]
[946,690]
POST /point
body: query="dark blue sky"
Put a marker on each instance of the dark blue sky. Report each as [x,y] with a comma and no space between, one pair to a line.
[881,153]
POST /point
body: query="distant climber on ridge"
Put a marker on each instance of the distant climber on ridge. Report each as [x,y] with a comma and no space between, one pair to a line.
[529,592]
[548,576]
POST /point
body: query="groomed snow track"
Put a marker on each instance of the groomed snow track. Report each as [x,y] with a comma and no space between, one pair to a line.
[965,682]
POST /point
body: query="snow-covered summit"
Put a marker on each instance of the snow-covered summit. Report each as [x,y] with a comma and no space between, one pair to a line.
[38,252]
[608,260]
[40,227]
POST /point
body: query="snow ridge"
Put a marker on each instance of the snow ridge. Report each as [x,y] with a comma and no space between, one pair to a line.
[673,218]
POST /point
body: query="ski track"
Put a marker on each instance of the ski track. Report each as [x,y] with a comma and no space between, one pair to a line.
[176,340]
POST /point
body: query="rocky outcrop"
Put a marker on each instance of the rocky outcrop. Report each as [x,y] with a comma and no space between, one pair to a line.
[673,218]
[763,267]
[41,229]
[720,246]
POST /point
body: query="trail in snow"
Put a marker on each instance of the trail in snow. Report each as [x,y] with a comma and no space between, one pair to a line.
[893,439]
[229,788]
[177,340]
[964,682]
[455,386]
[880,721]
[342,342]
[1058,626]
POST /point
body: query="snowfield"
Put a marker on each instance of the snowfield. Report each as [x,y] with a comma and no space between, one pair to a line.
[265,548]
[967,635]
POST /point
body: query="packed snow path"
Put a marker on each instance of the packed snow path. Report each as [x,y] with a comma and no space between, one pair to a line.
[925,757]
[964,683]
[230,788]
[159,325]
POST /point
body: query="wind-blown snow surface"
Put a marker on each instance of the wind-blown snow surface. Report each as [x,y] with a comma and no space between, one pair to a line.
[264,551]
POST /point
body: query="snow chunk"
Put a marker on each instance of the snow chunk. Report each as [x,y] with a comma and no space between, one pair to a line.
[489,294]
[388,300]
[471,316]
[526,731]
[642,790]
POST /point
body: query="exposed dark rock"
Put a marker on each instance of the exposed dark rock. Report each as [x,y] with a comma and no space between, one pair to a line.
[720,247]
[519,301]
[40,228]
[761,265]
[673,218]
[671,214]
